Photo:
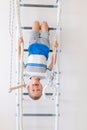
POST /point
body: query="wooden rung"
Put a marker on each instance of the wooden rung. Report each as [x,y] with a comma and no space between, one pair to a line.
[16,87]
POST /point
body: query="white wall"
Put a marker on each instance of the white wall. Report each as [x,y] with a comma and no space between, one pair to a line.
[73,66]
[7,101]
[73,106]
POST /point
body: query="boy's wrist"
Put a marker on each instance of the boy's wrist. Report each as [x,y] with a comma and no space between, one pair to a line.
[55,49]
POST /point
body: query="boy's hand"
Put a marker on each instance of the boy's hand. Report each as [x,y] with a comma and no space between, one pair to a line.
[55,44]
[20,40]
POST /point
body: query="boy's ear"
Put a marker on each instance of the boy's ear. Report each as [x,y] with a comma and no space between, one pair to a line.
[28,87]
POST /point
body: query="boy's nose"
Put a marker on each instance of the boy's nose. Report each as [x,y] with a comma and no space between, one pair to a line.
[36,85]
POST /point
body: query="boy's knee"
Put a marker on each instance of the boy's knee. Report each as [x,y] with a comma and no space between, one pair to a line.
[44,23]
[36,23]
[44,26]
[36,26]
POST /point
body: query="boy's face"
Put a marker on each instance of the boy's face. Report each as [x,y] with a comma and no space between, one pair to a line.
[35,87]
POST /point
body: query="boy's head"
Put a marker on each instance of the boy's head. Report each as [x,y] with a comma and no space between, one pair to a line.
[34,88]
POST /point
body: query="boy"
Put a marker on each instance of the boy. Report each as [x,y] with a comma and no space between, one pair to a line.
[38,52]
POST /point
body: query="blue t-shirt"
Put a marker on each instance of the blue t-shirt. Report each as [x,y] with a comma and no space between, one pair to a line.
[39,49]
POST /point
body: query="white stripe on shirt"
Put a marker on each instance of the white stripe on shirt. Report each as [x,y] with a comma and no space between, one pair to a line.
[39,59]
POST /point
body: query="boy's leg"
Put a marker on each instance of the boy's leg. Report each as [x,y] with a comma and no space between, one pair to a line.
[44,26]
[34,34]
[36,26]
[44,36]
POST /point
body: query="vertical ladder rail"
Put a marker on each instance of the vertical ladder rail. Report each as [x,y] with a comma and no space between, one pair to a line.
[19,123]
[57,67]
[20,73]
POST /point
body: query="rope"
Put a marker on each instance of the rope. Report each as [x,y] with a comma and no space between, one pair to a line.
[11,32]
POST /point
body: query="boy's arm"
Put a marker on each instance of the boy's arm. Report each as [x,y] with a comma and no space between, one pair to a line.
[20,41]
[54,55]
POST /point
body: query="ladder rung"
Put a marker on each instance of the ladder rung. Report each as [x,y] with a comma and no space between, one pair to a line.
[50,28]
[25,50]
[41,114]
[39,5]
[45,93]
[50,94]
